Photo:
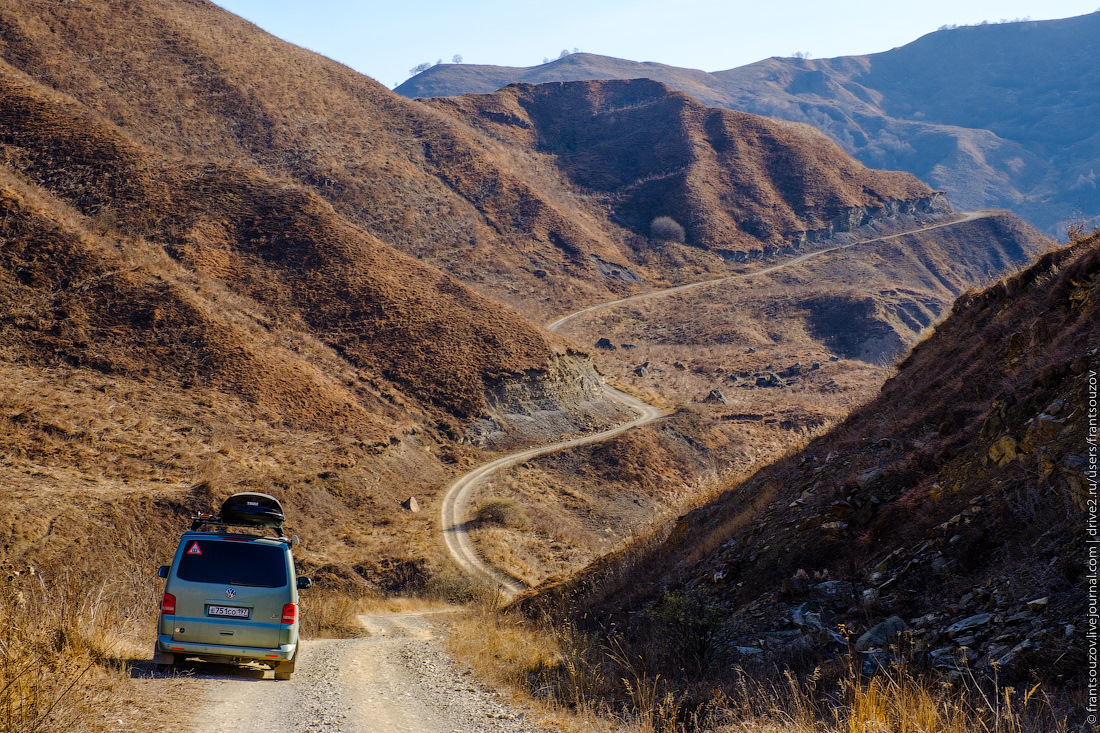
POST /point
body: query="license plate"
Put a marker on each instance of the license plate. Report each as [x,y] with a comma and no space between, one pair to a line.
[227,611]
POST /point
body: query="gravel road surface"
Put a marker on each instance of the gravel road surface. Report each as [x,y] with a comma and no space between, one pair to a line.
[398,678]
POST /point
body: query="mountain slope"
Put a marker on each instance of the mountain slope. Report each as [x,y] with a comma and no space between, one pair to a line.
[648,152]
[953,506]
[505,220]
[995,115]
[276,244]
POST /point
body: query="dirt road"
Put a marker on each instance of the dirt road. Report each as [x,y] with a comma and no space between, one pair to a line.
[557,324]
[397,679]
[456,499]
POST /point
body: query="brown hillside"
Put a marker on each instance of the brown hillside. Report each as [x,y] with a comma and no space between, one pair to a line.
[650,151]
[193,81]
[277,244]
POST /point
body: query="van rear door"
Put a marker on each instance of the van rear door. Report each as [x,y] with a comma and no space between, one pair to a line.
[231,592]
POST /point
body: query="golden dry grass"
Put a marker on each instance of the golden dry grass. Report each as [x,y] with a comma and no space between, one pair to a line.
[585,682]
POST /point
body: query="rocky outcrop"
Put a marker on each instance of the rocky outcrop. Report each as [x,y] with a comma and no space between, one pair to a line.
[853,223]
[565,397]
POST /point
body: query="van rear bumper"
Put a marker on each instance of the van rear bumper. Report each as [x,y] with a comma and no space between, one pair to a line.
[182,650]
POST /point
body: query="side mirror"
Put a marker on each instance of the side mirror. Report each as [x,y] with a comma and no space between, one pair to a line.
[304,583]
[162,571]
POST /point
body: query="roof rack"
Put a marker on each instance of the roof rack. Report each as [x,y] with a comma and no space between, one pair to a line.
[200,519]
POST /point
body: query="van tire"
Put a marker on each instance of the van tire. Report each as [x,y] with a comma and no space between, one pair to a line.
[283,670]
[163,661]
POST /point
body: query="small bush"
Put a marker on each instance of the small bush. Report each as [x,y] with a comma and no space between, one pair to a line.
[666,229]
[504,512]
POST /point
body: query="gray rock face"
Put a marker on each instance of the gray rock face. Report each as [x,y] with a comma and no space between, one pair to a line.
[881,635]
[541,404]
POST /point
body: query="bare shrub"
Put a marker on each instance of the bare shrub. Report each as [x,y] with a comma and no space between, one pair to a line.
[666,229]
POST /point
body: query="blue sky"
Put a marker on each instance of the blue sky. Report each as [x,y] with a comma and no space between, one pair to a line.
[385,39]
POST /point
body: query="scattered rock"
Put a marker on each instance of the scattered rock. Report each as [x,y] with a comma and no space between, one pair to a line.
[715,397]
[794,370]
[1003,451]
[1041,431]
[1038,605]
[605,343]
[867,478]
[628,346]
[881,634]
[968,624]
[679,365]
[841,509]
[1006,659]
[411,505]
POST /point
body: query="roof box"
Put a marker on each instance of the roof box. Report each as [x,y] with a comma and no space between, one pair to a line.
[253,510]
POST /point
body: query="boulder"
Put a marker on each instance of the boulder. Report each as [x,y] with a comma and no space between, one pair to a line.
[881,635]
[1003,451]
[868,478]
[605,343]
[715,397]
[411,505]
[1037,605]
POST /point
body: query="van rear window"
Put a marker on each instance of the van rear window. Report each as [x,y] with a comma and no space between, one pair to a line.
[233,563]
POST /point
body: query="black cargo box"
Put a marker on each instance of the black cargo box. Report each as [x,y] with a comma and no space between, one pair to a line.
[253,510]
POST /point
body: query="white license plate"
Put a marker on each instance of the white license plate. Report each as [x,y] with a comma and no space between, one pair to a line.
[227,611]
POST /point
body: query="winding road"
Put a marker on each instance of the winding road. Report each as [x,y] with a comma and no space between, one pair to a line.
[457,496]
[456,499]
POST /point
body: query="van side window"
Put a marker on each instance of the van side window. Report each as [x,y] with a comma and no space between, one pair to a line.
[233,563]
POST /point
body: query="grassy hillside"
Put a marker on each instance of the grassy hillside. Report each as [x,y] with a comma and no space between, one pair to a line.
[647,153]
[227,264]
[941,527]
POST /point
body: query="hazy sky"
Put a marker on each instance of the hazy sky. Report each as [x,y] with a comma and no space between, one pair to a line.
[385,39]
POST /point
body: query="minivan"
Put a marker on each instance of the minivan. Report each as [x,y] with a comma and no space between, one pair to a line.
[231,596]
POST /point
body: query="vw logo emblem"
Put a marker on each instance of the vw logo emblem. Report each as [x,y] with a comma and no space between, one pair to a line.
[230,592]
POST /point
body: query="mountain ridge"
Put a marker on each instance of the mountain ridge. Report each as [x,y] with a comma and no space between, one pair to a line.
[950,107]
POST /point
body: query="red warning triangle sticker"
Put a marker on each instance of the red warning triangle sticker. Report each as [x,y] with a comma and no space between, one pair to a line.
[194,549]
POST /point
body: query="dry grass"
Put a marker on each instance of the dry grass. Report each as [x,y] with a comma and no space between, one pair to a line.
[66,644]
[589,682]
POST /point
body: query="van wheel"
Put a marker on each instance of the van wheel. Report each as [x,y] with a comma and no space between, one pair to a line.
[163,661]
[283,670]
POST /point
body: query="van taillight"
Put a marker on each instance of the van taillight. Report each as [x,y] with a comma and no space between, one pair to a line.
[168,605]
[290,613]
